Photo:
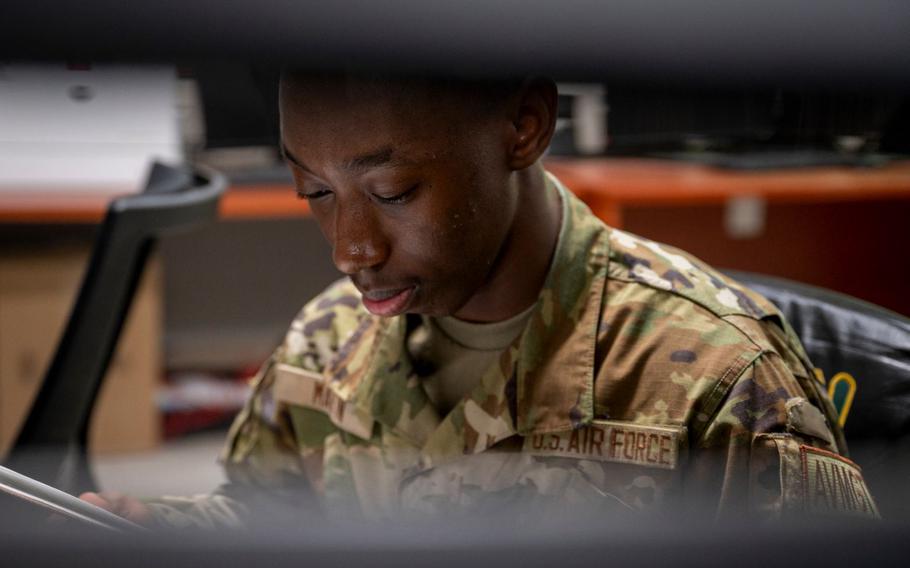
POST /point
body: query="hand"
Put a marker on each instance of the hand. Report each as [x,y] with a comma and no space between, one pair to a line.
[125,506]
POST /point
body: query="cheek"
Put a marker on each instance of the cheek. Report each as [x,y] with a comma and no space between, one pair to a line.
[324,220]
[450,240]
[431,248]
[438,247]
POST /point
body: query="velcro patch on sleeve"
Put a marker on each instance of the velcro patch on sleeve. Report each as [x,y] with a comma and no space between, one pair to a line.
[833,484]
[804,418]
[613,441]
[294,385]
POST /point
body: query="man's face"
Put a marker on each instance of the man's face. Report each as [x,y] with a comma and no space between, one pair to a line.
[409,186]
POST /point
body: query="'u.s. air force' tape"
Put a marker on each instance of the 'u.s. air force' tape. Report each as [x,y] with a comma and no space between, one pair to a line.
[613,441]
[304,388]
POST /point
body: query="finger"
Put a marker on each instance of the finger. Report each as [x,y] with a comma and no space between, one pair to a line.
[120,504]
[96,500]
[137,511]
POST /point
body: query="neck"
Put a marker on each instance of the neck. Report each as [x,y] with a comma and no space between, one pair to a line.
[521,268]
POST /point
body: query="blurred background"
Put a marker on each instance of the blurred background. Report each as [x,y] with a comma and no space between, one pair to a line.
[780,174]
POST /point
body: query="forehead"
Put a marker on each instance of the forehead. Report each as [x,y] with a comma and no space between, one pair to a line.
[344,107]
[338,116]
[402,92]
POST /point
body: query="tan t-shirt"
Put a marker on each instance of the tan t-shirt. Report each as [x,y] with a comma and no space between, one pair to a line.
[454,354]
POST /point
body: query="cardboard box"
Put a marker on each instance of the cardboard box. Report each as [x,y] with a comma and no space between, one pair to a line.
[37,291]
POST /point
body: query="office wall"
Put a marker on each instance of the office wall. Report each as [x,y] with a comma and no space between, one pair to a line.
[232,289]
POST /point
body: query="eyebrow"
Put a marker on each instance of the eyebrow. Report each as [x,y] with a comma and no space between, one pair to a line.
[373,160]
[382,158]
[286,154]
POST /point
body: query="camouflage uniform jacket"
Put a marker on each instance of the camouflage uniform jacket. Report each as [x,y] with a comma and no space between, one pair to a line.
[643,380]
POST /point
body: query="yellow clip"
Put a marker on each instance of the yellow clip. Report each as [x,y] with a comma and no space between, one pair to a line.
[844,410]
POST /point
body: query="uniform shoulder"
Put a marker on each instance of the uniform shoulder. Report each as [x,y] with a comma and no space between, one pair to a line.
[671,323]
[683,277]
[321,325]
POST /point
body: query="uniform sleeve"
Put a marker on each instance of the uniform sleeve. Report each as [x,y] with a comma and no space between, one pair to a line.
[770,453]
[264,469]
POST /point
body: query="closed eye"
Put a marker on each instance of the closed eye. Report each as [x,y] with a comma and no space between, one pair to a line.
[397,199]
[313,195]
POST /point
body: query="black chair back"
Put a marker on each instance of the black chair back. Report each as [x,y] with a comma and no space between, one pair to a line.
[862,353]
[51,445]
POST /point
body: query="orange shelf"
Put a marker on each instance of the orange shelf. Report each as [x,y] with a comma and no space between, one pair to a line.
[36,207]
[607,184]
[238,202]
[263,201]
[640,181]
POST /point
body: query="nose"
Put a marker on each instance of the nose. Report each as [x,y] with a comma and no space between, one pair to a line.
[359,243]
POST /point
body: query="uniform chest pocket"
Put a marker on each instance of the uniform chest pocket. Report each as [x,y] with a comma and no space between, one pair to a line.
[643,445]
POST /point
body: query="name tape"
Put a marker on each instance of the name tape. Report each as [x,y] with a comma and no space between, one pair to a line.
[304,388]
[834,484]
[621,442]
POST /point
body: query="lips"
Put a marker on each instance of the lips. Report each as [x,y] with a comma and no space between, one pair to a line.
[388,302]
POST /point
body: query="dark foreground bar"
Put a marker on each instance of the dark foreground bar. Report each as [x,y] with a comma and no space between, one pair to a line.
[841,43]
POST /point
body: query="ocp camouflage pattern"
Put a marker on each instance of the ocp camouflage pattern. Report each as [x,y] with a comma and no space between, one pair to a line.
[644,381]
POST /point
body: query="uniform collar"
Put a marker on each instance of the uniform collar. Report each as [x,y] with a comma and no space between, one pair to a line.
[555,361]
[543,382]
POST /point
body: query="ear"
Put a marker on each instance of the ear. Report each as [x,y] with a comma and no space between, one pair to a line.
[534,120]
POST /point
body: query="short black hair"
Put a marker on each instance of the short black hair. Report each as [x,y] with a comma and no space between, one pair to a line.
[487,93]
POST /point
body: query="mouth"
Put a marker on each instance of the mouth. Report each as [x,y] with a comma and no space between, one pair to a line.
[389,302]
